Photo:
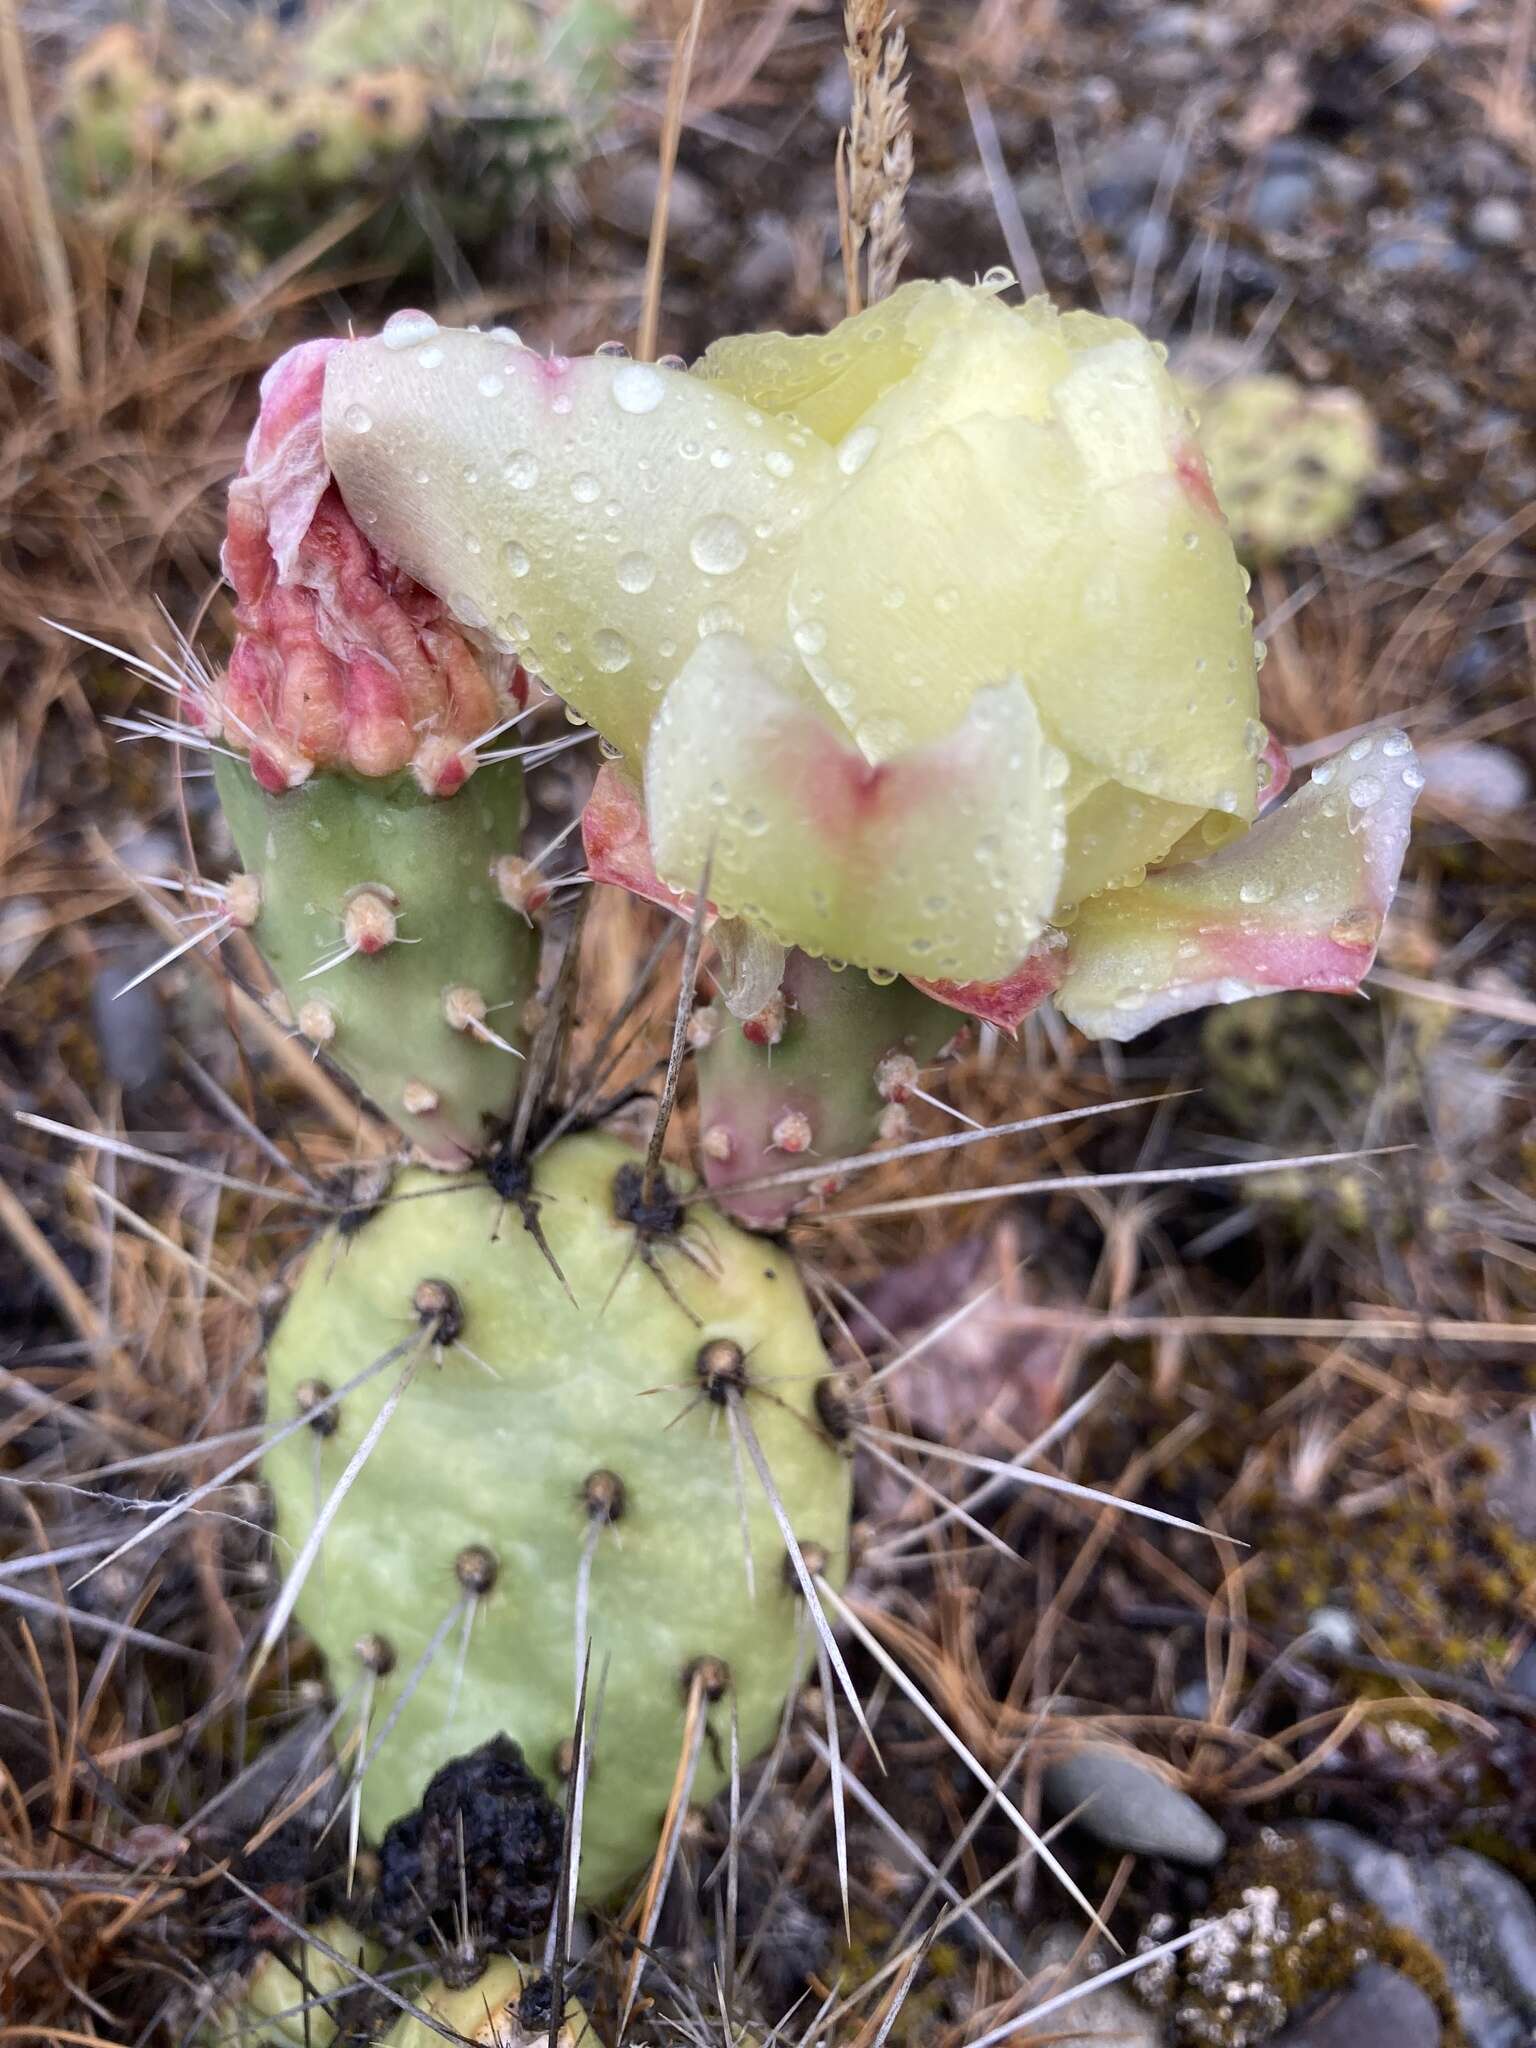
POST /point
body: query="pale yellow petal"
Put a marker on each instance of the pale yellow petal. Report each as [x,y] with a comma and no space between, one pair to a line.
[983,552]
[944,863]
[598,516]
[1298,902]
[827,381]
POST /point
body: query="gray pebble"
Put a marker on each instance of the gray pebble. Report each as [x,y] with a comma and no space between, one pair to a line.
[1498,223]
[129,1024]
[1380,2009]
[1127,1805]
[1476,1918]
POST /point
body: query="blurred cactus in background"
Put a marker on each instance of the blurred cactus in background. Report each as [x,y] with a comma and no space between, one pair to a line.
[1290,464]
[447,117]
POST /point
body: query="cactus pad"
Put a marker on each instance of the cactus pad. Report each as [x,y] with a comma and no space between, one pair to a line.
[436,967]
[1289,464]
[827,1067]
[547,1435]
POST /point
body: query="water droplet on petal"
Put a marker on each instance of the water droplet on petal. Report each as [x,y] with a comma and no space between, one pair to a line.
[810,637]
[611,348]
[429,358]
[405,329]
[490,385]
[516,558]
[777,463]
[521,471]
[635,572]
[1364,791]
[586,489]
[1396,744]
[718,545]
[638,388]
[856,449]
[1255,890]
[357,420]
[610,651]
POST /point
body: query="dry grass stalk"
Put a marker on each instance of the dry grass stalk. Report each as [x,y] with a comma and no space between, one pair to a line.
[874,154]
[684,52]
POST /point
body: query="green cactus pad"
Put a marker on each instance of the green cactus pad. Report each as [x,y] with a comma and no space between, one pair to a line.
[500,1461]
[1289,464]
[489,2013]
[407,1022]
[283,2006]
[809,1080]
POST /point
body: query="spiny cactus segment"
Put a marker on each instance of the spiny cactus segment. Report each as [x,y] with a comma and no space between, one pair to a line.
[374,836]
[555,1446]
[832,1060]
[307,1998]
[1290,464]
[480,106]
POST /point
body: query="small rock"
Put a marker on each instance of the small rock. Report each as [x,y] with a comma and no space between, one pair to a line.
[1498,223]
[1280,202]
[1110,2018]
[129,1025]
[1511,1444]
[1128,1805]
[1380,2009]
[1477,1919]
[629,199]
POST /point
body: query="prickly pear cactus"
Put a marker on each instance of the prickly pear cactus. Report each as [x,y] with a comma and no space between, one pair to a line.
[573,1451]
[1289,464]
[308,2000]
[507,2006]
[296,2000]
[831,1061]
[372,833]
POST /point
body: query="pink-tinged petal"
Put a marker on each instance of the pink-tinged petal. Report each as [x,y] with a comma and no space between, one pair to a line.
[943,859]
[1297,903]
[340,659]
[1274,773]
[617,842]
[1008,1002]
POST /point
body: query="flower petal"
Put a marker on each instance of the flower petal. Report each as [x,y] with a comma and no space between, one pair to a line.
[1008,1002]
[944,861]
[828,381]
[1297,903]
[598,516]
[985,551]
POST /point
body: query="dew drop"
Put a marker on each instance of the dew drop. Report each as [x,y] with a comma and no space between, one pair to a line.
[357,420]
[612,348]
[562,403]
[405,329]
[490,385]
[1323,774]
[810,637]
[1364,791]
[1055,768]
[856,449]
[429,358]
[610,651]
[585,488]
[516,558]
[1255,890]
[1413,778]
[635,572]
[1395,745]
[509,335]
[718,545]
[999,278]
[777,463]
[1359,750]
[637,387]
[521,471]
